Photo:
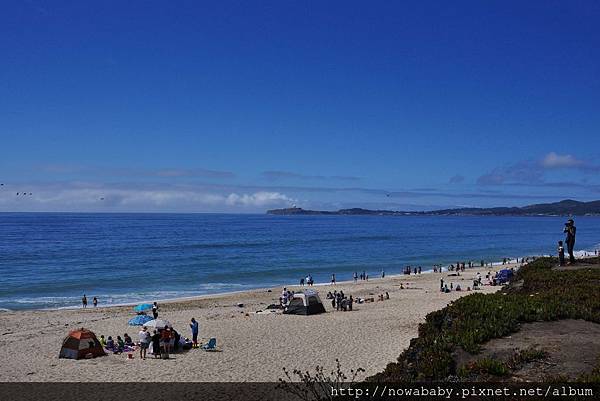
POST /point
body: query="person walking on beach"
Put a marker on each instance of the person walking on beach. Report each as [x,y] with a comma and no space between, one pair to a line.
[333,279]
[355,277]
[195,329]
[84,301]
[561,254]
[95,302]
[570,230]
[155,310]
[144,342]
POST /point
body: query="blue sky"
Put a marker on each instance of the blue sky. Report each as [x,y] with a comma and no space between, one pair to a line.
[244,106]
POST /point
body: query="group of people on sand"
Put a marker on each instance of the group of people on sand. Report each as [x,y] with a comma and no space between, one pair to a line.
[119,345]
[164,342]
[339,301]
[161,342]
[286,296]
[444,287]
[383,297]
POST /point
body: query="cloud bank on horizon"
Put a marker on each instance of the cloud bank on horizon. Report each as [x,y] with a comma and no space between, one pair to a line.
[178,189]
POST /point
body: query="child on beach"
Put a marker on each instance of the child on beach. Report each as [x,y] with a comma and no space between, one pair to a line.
[561,254]
[120,344]
[128,340]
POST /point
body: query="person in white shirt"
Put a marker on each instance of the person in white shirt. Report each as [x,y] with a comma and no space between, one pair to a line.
[144,342]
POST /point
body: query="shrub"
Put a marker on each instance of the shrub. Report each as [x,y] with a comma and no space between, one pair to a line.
[470,321]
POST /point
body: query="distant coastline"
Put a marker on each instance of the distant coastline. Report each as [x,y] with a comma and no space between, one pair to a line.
[566,207]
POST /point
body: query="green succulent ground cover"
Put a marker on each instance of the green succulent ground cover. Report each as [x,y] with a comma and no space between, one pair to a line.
[536,293]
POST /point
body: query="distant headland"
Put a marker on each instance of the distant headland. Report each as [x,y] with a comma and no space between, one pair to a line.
[566,207]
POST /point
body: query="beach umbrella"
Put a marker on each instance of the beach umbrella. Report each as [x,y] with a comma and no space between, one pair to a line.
[157,323]
[142,307]
[139,320]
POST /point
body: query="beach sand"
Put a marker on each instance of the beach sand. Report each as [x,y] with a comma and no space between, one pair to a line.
[253,347]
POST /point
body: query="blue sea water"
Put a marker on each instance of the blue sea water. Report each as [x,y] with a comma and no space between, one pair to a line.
[50,260]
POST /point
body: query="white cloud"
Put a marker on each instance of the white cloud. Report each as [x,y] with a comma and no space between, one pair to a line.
[554,160]
[259,199]
[118,198]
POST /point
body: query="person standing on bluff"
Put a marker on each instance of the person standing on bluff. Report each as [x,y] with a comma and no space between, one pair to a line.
[570,230]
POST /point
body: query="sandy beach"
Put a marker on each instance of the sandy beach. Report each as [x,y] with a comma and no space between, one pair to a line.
[253,347]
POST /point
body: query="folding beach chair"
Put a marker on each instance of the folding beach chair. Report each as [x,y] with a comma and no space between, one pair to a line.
[211,345]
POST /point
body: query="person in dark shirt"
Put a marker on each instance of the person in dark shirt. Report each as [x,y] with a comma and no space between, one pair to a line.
[570,230]
[156,344]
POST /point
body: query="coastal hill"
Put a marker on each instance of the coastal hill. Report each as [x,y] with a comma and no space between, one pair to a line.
[566,207]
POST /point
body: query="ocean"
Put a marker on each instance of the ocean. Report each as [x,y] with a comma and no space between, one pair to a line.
[49,260]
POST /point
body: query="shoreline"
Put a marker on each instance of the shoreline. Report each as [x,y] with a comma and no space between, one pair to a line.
[428,270]
[254,345]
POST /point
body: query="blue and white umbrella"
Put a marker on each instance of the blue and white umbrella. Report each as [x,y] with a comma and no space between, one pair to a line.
[139,320]
[142,307]
[158,323]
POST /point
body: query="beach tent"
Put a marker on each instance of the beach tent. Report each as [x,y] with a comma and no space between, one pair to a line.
[81,344]
[504,275]
[305,303]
